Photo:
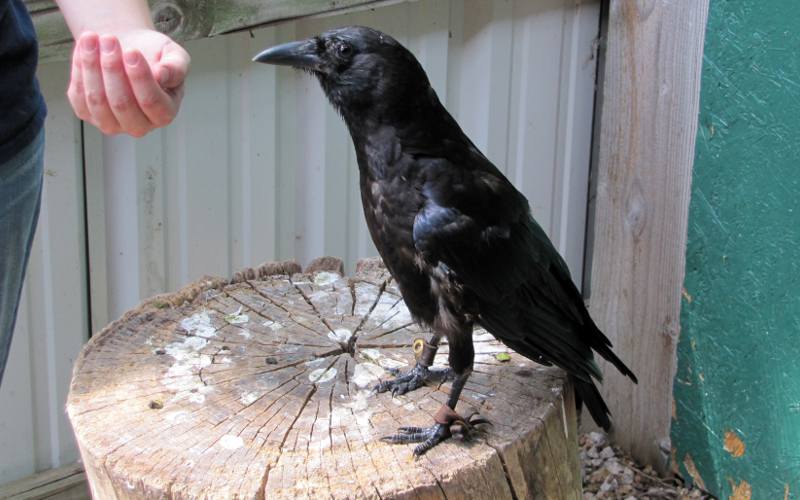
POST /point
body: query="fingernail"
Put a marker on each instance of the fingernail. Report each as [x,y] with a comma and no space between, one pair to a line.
[131,58]
[107,45]
[89,43]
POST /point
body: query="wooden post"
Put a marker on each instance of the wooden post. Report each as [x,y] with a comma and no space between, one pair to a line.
[649,94]
[260,387]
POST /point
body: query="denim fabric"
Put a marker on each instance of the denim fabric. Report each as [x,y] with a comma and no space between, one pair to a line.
[22,106]
[20,199]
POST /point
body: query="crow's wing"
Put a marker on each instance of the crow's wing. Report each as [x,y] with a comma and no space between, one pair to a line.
[477,225]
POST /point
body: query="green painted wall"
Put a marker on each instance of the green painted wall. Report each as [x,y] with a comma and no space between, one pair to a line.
[739,353]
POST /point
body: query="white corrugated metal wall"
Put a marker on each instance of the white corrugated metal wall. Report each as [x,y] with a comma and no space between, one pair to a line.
[258,166]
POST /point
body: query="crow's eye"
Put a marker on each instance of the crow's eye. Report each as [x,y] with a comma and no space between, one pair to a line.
[343,50]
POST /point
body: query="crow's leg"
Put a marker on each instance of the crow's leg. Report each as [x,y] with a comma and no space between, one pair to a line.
[447,420]
[421,373]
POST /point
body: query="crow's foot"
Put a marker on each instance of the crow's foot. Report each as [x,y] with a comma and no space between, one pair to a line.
[448,423]
[414,379]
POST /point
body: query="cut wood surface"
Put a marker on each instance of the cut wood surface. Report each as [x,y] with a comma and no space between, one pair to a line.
[260,387]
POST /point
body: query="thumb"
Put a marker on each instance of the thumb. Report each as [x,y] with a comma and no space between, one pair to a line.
[173,66]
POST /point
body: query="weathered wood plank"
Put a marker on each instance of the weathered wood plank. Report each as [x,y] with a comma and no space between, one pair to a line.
[63,483]
[191,19]
[261,387]
[649,95]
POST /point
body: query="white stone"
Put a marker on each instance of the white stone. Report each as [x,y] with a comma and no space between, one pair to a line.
[607,452]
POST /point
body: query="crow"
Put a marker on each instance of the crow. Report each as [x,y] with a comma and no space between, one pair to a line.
[455,234]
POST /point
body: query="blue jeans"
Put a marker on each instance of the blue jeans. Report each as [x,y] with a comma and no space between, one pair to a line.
[20,199]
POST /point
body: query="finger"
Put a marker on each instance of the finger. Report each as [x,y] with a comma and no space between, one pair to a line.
[173,66]
[118,90]
[94,89]
[75,93]
[156,104]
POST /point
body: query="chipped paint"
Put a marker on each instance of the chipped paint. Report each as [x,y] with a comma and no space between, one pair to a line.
[230,442]
[688,462]
[733,444]
[741,491]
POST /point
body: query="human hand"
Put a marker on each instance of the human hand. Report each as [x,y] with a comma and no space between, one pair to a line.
[131,83]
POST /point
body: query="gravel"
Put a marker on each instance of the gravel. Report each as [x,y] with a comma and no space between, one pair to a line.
[610,473]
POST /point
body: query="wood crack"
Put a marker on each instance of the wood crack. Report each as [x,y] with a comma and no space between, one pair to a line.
[514,495]
[313,306]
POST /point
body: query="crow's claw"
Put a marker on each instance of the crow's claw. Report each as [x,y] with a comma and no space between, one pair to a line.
[428,437]
[467,427]
[414,379]
[448,423]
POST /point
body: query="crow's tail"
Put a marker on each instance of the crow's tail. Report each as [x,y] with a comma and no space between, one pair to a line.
[587,393]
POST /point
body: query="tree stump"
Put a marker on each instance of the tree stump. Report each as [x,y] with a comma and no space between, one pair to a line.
[260,387]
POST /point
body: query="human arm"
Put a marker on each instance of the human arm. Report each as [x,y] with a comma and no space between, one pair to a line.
[126,77]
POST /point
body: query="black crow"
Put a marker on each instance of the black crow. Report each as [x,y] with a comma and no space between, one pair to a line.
[455,234]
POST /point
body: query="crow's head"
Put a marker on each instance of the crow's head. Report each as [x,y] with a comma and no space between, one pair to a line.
[363,72]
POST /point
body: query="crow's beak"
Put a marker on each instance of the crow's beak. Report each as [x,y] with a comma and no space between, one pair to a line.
[300,54]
